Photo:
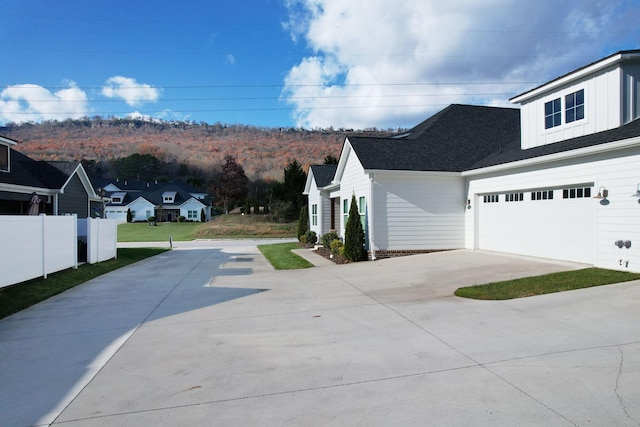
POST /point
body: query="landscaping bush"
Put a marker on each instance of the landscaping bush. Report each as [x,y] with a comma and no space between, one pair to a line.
[336,247]
[329,237]
[151,219]
[311,237]
[303,223]
[181,218]
[129,216]
[354,235]
[203,217]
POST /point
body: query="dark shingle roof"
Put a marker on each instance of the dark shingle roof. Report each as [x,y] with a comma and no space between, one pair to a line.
[450,141]
[323,174]
[32,173]
[513,152]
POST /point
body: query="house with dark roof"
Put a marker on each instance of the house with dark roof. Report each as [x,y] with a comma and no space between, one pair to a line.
[557,178]
[62,187]
[165,201]
[322,211]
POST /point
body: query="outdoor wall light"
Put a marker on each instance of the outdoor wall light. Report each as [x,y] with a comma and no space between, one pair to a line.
[467,204]
[637,193]
[603,193]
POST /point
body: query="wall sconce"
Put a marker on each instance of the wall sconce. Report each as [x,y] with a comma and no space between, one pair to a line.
[637,193]
[603,193]
[467,204]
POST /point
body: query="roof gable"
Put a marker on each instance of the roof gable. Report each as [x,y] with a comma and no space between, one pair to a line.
[450,141]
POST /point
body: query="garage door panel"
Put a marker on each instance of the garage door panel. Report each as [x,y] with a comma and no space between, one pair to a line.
[557,228]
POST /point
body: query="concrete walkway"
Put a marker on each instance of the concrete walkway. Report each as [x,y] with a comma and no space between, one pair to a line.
[210,334]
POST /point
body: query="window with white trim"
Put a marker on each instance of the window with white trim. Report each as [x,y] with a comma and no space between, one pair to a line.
[4,158]
[574,106]
[552,114]
[314,214]
[362,210]
[345,211]
[193,214]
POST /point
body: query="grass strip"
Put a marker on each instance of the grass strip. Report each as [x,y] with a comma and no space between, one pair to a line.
[548,283]
[281,257]
[22,295]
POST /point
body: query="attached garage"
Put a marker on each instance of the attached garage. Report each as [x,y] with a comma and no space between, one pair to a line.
[556,223]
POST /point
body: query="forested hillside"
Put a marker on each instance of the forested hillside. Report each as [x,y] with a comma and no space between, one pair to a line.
[263,152]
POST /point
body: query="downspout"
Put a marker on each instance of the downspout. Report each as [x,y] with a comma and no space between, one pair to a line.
[370,205]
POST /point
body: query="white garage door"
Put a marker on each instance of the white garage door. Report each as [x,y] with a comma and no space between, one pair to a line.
[557,224]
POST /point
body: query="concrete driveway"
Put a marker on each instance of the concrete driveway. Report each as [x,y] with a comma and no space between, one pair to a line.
[210,334]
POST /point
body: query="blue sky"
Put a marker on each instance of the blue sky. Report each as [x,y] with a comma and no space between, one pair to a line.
[304,63]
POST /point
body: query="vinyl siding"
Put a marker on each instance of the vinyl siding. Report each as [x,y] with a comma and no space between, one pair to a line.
[418,212]
[75,199]
[617,220]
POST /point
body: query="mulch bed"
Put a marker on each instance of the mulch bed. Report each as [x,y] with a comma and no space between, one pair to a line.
[327,254]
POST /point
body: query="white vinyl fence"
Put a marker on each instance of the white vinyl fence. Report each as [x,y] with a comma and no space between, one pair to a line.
[101,236]
[35,246]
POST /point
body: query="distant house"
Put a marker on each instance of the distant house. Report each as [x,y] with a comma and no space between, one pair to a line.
[557,178]
[62,187]
[165,201]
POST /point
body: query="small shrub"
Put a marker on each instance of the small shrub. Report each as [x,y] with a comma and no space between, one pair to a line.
[151,219]
[302,239]
[311,237]
[329,237]
[337,247]
[303,222]
[181,218]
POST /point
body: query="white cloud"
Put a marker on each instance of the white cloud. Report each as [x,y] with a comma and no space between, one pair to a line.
[230,59]
[388,66]
[30,102]
[129,90]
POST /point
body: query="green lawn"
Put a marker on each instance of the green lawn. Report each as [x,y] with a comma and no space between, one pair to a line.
[22,295]
[142,232]
[220,227]
[281,257]
[548,283]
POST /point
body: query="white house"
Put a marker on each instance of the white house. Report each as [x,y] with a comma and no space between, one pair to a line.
[166,201]
[558,178]
[321,219]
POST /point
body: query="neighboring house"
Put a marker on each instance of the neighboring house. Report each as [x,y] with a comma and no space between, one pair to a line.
[165,201]
[558,178]
[321,215]
[62,187]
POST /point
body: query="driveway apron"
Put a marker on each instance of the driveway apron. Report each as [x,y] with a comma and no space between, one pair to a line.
[210,334]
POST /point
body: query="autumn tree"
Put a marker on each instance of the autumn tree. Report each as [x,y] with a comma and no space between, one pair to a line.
[137,166]
[231,183]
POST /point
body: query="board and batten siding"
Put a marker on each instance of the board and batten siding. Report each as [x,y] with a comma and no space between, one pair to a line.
[141,208]
[602,92]
[418,211]
[561,228]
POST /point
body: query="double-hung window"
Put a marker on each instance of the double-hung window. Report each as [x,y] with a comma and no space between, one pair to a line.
[345,212]
[314,214]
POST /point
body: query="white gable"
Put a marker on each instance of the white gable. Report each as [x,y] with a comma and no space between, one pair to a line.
[595,98]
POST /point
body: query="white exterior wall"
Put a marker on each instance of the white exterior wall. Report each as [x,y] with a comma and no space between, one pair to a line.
[314,198]
[602,93]
[118,213]
[140,206]
[565,220]
[353,181]
[418,211]
[191,205]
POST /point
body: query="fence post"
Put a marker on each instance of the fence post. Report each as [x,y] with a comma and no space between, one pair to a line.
[44,246]
[75,241]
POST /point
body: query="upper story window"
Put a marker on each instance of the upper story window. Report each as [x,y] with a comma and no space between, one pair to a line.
[4,158]
[574,106]
[552,114]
